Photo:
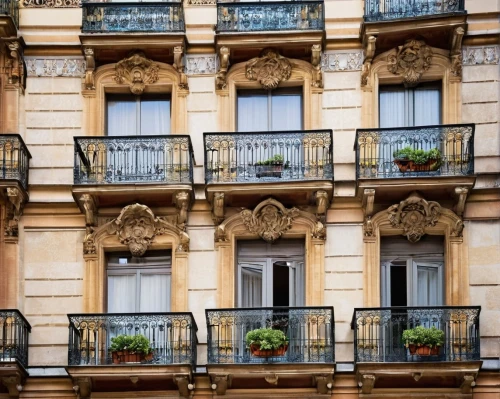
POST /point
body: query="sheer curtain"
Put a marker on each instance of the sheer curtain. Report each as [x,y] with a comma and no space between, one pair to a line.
[251,287]
[393,105]
[121,293]
[155,293]
[427,108]
[286,112]
[252,112]
[122,117]
[155,117]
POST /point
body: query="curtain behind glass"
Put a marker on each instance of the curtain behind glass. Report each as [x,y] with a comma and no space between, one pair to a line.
[121,293]
[251,287]
[252,112]
[393,106]
[155,293]
[427,286]
[286,112]
[427,108]
[155,117]
[122,116]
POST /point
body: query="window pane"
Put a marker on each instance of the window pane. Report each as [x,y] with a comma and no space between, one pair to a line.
[121,293]
[427,286]
[121,117]
[155,293]
[155,116]
[252,112]
[427,109]
[251,287]
[392,110]
[286,112]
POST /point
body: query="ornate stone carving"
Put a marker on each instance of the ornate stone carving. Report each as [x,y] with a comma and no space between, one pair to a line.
[52,3]
[14,63]
[220,383]
[182,204]
[340,62]
[14,210]
[201,2]
[220,79]
[410,61]
[367,63]
[461,193]
[319,231]
[137,71]
[322,202]
[56,67]
[200,64]
[89,247]
[269,69]
[220,234]
[182,382]
[13,383]
[487,55]
[89,68]
[90,208]
[456,52]
[179,66]
[317,80]
[368,230]
[218,208]
[413,215]
[270,219]
[368,201]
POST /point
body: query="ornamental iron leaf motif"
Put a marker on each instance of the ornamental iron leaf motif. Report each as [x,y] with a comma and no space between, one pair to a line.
[410,61]
[269,69]
[413,215]
[270,219]
[137,71]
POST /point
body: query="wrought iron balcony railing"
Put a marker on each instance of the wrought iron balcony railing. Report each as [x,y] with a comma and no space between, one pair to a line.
[14,334]
[387,10]
[304,15]
[268,156]
[158,17]
[10,7]
[172,337]
[442,150]
[309,331]
[378,333]
[133,159]
[14,159]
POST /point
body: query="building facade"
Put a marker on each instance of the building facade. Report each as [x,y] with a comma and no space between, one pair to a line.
[192,171]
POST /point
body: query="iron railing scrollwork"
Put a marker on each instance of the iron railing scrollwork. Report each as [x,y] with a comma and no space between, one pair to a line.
[377,151]
[133,159]
[160,17]
[309,331]
[378,333]
[14,159]
[14,336]
[386,10]
[270,16]
[172,336]
[268,156]
[11,8]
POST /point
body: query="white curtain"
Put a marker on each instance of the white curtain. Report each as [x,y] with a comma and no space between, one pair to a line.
[251,287]
[155,293]
[427,286]
[252,113]
[286,112]
[427,108]
[155,117]
[122,120]
[121,293]
[393,106]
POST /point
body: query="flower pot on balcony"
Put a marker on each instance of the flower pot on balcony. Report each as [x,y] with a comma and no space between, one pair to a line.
[274,170]
[424,350]
[257,352]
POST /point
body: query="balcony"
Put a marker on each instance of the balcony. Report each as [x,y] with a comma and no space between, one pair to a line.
[436,159]
[308,360]
[247,167]
[383,358]
[292,26]
[14,336]
[9,18]
[172,337]
[152,168]
[151,17]
[393,22]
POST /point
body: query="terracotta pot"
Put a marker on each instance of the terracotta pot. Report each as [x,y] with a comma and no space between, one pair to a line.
[257,352]
[412,348]
[423,350]
[409,166]
[403,164]
[435,350]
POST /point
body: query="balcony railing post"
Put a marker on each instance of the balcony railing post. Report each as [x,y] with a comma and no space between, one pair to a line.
[382,10]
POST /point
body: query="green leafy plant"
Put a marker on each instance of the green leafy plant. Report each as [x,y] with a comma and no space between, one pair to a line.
[418,156]
[275,160]
[120,343]
[423,336]
[266,338]
[134,343]
[403,153]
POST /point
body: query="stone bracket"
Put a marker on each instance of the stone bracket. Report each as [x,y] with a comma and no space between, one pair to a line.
[220,79]
[366,383]
[89,206]
[220,383]
[316,63]
[89,68]
[456,53]
[324,384]
[181,201]
[14,209]
[13,384]
[183,382]
[179,67]
[15,64]
[218,208]
[322,202]
[83,387]
[367,63]
[461,193]
[368,201]
[467,384]
[272,379]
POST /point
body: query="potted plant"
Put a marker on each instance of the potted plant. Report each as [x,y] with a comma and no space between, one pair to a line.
[130,349]
[272,167]
[417,160]
[266,342]
[423,341]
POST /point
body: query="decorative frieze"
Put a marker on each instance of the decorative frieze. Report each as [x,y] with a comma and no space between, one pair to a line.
[201,2]
[56,67]
[342,62]
[201,64]
[482,55]
[52,3]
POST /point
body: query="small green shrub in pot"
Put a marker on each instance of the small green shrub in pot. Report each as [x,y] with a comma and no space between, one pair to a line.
[266,338]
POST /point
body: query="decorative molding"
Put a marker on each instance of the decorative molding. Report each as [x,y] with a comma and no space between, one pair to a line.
[14,210]
[368,201]
[270,219]
[182,205]
[456,52]
[15,64]
[52,3]
[317,80]
[137,71]
[322,202]
[410,61]
[342,62]
[201,2]
[56,67]
[179,67]
[90,208]
[270,69]
[367,62]
[201,64]
[221,77]
[483,55]
[218,208]
[89,68]
[461,193]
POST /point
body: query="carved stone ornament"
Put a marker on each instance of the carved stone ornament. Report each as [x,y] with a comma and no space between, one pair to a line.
[137,71]
[89,247]
[410,61]
[413,215]
[218,208]
[269,69]
[270,219]
[220,79]
[14,210]
[89,68]
[14,63]
[182,205]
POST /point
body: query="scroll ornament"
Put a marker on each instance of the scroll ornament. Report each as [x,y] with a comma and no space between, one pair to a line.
[410,61]
[270,69]
[270,219]
[137,71]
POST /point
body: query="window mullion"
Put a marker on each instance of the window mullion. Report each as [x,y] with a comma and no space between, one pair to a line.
[138,115]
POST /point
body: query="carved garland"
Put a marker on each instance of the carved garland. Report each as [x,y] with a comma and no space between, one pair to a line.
[137,71]
[410,61]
